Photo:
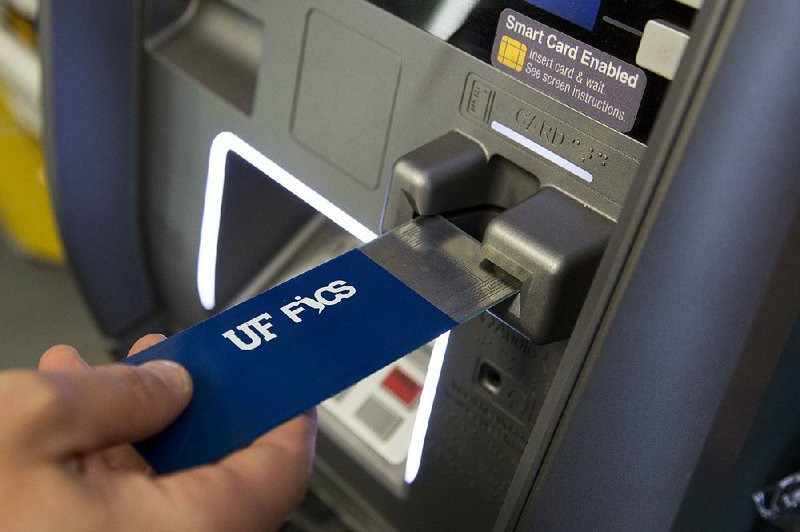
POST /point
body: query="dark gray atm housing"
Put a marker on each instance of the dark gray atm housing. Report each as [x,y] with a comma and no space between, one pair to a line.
[644,378]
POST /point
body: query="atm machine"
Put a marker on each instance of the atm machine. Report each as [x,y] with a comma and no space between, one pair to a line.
[633,164]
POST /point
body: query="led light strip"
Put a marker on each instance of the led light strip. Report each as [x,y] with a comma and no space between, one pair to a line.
[212,210]
[541,150]
[426,399]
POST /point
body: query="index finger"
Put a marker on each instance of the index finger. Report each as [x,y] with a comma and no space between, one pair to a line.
[148,340]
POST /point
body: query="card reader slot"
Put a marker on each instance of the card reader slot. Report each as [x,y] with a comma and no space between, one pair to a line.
[453,174]
[544,238]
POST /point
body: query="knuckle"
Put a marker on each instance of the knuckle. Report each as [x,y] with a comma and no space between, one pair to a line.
[141,385]
[31,399]
[46,400]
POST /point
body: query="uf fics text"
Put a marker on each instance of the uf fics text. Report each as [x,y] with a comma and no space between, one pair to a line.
[252,333]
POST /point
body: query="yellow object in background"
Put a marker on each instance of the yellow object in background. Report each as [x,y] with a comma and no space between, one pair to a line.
[26,213]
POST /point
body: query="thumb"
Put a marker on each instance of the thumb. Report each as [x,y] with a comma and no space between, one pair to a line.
[110,405]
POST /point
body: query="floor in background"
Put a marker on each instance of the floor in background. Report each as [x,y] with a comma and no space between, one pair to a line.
[40,306]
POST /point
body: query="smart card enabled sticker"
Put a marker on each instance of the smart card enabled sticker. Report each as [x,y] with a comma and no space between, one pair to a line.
[568,70]
[280,353]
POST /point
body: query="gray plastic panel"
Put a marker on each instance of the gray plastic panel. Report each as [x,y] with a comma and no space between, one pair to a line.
[351,167]
[475,439]
[345,98]
[220,47]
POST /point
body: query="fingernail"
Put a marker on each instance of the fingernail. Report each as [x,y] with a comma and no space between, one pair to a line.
[172,374]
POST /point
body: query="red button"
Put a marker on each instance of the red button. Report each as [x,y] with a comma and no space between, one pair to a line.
[402,386]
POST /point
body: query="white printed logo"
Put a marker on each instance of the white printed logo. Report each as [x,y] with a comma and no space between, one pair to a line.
[254,332]
[338,289]
[261,325]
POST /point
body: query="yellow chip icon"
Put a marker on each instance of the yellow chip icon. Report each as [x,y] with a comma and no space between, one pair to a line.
[512,53]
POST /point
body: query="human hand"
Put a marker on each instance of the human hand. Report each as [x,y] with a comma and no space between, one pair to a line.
[66,462]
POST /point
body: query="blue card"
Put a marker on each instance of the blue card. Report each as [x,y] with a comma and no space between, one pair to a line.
[282,352]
